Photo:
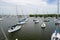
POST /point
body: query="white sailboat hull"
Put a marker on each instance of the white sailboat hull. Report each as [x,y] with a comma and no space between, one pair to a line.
[36,21]
[15,29]
[43,25]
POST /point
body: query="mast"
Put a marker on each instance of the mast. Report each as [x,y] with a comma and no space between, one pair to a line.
[22,15]
[57,9]
[17,10]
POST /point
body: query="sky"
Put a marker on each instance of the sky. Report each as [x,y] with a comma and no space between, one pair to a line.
[27,7]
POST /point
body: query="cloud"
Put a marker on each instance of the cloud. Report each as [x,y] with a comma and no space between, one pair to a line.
[43,6]
[25,2]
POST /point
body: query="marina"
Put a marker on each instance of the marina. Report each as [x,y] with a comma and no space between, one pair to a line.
[30,30]
[29,20]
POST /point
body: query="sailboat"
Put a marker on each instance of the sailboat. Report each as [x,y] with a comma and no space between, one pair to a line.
[36,20]
[14,27]
[57,21]
[46,19]
[23,20]
[55,35]
[43,25]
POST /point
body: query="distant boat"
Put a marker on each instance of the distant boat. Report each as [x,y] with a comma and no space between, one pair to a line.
[26,19]
[1,19]
[36,21]
[23,21]
[58,20]
[46,20]
[14,28]
[43,25]
[55,35]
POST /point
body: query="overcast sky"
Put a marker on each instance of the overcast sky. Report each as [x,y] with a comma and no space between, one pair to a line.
[28,7]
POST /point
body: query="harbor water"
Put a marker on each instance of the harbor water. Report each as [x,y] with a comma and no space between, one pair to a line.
[29,31]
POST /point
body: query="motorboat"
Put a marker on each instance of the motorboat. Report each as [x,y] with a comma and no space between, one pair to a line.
[46,20]
[36,21]
[14,28]
[55,35]
[43,25]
